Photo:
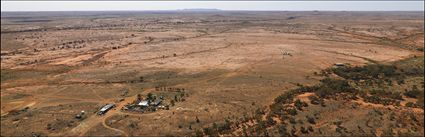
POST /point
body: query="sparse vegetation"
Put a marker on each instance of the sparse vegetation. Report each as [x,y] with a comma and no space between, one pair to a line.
[212,73]
[336,89]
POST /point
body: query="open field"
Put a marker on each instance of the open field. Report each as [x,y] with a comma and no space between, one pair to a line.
[230,64]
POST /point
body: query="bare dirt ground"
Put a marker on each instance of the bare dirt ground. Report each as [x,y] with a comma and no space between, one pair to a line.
[53,65]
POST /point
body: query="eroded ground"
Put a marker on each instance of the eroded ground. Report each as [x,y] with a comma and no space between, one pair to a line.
[53,65]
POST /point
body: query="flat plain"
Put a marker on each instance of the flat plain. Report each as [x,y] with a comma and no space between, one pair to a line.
[218,72]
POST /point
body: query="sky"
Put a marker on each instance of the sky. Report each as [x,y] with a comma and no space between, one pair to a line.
[223,5]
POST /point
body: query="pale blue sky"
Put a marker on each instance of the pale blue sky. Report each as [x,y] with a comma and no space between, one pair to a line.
[224,5]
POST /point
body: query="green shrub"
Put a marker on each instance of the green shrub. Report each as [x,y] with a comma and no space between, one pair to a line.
[284,98]
[276,109]
[311,120]
[198,133]
[410,104]
[330,87]
[314,100]
[298,104]
[224,126]
[386,94]
[379,100]
[310,128]
[372,71]
[413,93]
[336,84]
[209,131]
[293,112]
[270,121]
[304,130]
[283,131]
[292,120]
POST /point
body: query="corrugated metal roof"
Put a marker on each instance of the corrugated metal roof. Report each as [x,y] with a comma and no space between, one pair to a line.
[156,102]
[106,107]
[143,103]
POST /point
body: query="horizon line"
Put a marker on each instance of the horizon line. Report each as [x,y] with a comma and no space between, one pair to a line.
[218,10]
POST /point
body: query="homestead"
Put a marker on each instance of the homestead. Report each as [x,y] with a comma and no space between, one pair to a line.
[150,104]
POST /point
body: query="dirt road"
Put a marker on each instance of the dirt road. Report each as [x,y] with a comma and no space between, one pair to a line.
[94,120]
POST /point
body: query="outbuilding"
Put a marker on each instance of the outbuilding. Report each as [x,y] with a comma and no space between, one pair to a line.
[337,65]
[156,102]
[106,108]
[143,103]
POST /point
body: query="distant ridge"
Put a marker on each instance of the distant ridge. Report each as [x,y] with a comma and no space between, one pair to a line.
[201,10]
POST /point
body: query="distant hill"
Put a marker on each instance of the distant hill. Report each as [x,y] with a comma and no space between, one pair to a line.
[201,9]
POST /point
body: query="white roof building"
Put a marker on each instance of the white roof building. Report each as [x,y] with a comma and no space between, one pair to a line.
[143,103]
[106,108]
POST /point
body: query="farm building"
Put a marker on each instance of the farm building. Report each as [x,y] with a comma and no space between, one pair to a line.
[156,102]
[337,65]
[143,103]
[106,108]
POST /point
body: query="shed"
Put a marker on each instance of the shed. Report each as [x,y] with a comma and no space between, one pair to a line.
[339,64]
[143,103]
[106,108]
[156,102]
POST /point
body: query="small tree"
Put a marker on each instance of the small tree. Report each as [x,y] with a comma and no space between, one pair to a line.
[311,120]
[139,97]
[293,112]
[298,104]
[270,121]
[314,100]
[182,95]
[283,131]
[149,96]
[172,102]
[197,119]
[413,93]
[310,128]
[198,133]
[304,130]
[141,79]
[410,104]
[292,120]
[209,131]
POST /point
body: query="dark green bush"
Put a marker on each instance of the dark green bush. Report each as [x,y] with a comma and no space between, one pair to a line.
[298,104]
[311,120]
[413,93]
[372,71]
[330,87]
[314,100]
[410,104]
[293,112]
